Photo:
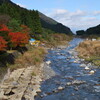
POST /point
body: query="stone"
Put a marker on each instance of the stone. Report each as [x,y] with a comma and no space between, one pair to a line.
[87,68]
[60,88]
[92,72]
[76,88]
[48,62]
[82,65]
[68,83]
[55,91]
[97,88]
[78,82]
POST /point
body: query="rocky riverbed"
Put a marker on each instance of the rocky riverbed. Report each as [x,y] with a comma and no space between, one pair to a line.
[68,77]
[62,76]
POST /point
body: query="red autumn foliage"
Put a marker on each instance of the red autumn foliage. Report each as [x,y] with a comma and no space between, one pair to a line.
[18,38]
[2,44]
[4,28]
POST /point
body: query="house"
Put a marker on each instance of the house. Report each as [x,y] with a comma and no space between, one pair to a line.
[34,42]
[31,41]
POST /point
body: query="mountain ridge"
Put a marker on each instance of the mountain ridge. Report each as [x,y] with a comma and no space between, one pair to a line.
[46,22]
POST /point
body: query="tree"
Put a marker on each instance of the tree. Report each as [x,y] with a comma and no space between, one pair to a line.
[2,44]
[4,31]
[18,39]
[80,32]
[14,25]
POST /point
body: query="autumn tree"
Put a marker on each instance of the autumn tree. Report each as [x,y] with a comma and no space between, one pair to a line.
[4,31]
[2,44]
[18,39]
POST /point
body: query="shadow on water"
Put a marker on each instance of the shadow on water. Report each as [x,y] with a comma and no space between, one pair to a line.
[70,81]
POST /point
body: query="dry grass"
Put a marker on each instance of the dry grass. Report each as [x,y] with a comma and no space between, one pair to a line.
[53,40]
[90,50]
[32,57]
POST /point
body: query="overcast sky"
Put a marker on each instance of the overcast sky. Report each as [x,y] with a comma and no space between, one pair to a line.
[76,14]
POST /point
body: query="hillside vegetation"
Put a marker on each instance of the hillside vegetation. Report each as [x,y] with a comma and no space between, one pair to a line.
[92,32]
[35,20]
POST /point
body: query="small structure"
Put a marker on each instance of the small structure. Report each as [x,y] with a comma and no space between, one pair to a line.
[34,42]
[31,41]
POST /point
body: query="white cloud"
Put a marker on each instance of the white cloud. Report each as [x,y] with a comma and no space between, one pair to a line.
[21,5]
[96,12]
[75,20]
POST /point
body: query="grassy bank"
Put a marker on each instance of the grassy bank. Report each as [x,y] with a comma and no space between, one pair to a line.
[34,56]
[90,50]
[53,40]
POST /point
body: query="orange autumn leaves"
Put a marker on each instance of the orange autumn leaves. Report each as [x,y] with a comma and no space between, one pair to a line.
[2,44]
[14,38]
[18,38]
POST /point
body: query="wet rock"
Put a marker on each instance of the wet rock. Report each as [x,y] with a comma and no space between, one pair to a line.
[78,82]
[60,88]
[97,88]
[87,68]
[55,91]
[83,65]
[72,94]
[92,72]
[76,88]
[48,62]
[68,83]
[49,93]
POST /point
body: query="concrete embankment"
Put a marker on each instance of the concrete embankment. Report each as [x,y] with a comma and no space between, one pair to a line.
[21,84]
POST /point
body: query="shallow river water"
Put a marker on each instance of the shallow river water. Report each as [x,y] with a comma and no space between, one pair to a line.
[71,80]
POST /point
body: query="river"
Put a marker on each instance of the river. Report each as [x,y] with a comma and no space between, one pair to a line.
[70,80]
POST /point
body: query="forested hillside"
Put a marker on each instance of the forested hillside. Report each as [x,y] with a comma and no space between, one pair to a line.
[24,16]
[33,19]
[93,31]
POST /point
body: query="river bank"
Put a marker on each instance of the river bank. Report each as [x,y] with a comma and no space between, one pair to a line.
[22,80]
[90,51]
[69,77]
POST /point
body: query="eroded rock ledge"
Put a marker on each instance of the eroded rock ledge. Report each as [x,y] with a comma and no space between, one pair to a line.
[21,84]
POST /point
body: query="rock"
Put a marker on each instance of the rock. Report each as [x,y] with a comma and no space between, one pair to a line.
[48,62]
[60,88]
[49,93]
[97,88]
[72,94]
[76,88]
[76,61]
[7,91]
[92,72]
[87,68]
[55,91]
[82,65]
[68,83]
[78,82]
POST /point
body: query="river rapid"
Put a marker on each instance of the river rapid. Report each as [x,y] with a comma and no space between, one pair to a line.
[69,77]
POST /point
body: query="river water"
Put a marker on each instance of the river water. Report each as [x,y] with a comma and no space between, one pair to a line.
[70,80]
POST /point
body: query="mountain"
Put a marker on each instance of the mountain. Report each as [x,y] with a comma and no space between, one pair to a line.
[90,31]
[2,1]
[34,19]
[93,30]
[53,25]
